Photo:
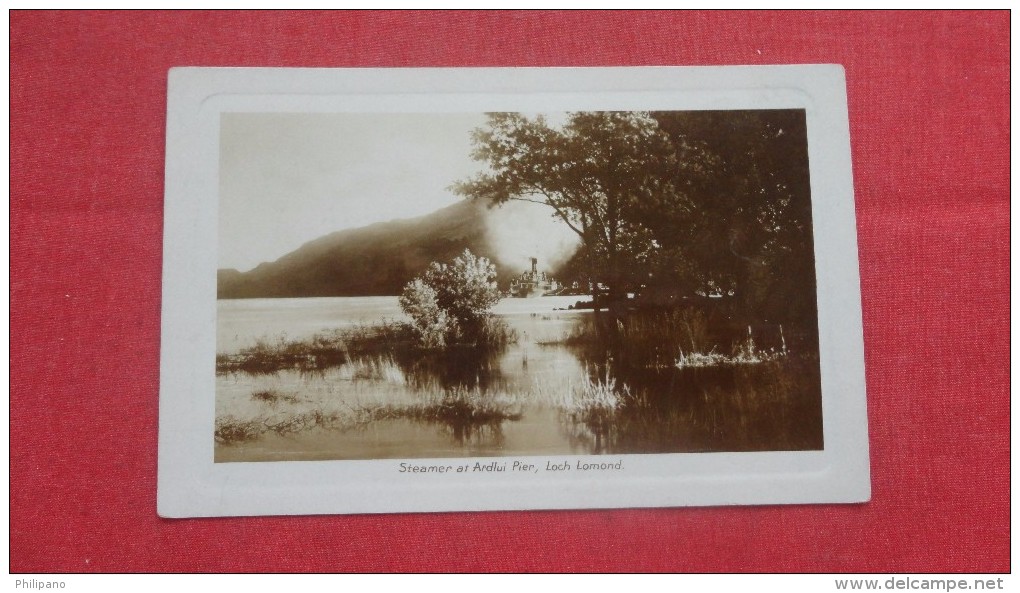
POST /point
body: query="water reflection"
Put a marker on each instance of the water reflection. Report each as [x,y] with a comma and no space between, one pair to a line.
[488,436]
[546,394]
[459,367]
[770,406]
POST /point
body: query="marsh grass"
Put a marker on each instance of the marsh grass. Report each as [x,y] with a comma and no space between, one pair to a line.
[360,392]
[592,405]
[381,368]
[677,385]
[282,415]
[700,359]
[657,382]
[457,406]
[743,353]
[593,391]
[351,395]
[772,405]
[338,347]
[273,397]
[322,351]
[495,333]
[660,339]
[353,376]
[641,339]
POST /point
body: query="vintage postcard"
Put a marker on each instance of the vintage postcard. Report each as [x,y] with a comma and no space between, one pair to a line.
[410,290]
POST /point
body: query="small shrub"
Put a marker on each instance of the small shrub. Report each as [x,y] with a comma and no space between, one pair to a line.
[465,288]
[430,323]
[450,302]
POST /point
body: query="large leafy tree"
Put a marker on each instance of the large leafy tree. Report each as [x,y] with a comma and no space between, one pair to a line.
[691,201]
[590,171]
[745,228]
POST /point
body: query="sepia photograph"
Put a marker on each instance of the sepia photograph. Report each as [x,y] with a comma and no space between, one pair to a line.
[430,285]
[419,290]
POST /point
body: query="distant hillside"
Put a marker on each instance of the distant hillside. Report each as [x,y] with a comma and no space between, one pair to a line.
[374,260]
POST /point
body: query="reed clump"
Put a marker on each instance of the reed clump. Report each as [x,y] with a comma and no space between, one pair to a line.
[457,406]
[360,345]
[322,351]
[273,411]
[744,352]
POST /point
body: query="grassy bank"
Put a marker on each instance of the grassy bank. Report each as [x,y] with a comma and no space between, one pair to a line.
[681,338]
[338,347]
[665,381]
[363,391]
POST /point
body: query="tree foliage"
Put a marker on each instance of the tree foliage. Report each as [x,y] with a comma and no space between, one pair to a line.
[745,228]
[591,172]
[708,202]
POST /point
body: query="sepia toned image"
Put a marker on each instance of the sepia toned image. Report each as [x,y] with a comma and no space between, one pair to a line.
[401,285]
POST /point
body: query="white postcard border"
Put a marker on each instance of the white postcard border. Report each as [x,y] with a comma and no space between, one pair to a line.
[191,484]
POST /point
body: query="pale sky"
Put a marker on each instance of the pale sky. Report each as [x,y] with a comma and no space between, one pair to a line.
[286,179]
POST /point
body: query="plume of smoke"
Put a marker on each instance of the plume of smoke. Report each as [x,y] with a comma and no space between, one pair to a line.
[518,231]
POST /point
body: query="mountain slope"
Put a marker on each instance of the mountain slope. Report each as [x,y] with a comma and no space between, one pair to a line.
[373,260]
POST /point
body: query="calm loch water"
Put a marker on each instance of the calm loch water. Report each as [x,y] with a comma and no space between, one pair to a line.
[542,382]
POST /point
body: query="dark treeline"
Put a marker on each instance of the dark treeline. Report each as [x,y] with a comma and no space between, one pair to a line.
[677,206]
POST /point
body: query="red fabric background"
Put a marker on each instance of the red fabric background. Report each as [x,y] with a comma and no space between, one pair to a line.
[929,116]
